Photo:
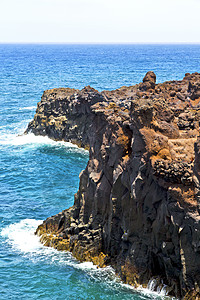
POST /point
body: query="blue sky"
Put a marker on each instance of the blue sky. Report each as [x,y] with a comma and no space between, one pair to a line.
[100,21]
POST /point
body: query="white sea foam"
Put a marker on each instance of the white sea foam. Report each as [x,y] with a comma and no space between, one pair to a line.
[20,236]
[28,108]
[13,135]
[153,294]
[87,266]
[31,139]
[9,132]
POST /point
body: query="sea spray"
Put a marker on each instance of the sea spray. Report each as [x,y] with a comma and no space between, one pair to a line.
[28,108]
[152,284]
[32,140]
[20,236]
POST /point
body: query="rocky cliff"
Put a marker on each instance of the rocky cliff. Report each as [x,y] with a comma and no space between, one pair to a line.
[137,207]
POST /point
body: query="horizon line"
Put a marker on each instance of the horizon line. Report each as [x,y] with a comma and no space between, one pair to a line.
[99,43]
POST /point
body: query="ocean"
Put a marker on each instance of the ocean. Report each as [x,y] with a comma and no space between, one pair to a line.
[38,176]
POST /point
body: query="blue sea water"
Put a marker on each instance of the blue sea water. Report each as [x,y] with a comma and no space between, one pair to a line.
[38,177]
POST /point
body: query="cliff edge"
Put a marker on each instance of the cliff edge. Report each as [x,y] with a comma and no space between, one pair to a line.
[137,207]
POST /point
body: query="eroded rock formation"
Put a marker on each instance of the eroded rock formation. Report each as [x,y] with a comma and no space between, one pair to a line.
[137,207]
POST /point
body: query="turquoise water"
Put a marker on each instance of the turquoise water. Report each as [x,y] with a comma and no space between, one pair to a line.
[38,177]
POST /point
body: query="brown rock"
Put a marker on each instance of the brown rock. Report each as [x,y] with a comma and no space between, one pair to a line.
[148,81]
[137,207]
[150,77]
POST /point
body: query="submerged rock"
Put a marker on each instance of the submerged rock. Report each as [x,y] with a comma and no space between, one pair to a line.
[137,207]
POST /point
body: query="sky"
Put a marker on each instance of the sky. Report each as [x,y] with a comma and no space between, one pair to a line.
[99,21]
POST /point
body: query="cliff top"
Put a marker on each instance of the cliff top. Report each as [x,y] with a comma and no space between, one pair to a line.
[166,116]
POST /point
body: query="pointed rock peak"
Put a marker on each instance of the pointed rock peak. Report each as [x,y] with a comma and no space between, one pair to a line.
[150,76]
[88,88]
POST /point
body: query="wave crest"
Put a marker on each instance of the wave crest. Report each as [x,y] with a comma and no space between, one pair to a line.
[22,238]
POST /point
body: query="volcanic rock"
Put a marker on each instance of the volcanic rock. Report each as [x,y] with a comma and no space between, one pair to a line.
[137,207]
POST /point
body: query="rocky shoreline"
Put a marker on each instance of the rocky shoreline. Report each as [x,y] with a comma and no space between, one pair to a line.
[137,207]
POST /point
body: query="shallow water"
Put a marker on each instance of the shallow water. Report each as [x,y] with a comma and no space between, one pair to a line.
[38,177]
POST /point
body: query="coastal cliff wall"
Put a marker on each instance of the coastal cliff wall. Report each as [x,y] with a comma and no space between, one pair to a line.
[137,207]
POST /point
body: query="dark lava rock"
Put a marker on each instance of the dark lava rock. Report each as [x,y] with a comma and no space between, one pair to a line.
[137,207]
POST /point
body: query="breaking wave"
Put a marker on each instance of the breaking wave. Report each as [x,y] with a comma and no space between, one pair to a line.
[35,141]
[28,108]
[21,238]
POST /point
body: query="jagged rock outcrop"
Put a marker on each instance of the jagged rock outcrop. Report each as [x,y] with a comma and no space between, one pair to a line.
[137,207]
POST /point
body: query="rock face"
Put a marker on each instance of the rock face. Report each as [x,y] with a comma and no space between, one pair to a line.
[137,207]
